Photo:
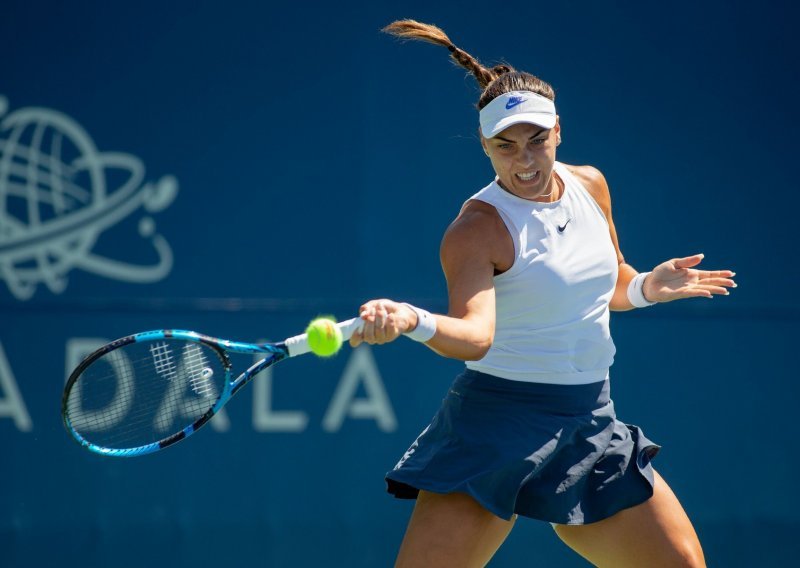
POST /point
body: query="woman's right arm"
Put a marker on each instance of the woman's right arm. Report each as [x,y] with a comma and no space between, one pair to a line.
[474,246]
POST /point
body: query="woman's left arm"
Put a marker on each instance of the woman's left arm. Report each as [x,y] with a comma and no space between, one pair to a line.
[673,279]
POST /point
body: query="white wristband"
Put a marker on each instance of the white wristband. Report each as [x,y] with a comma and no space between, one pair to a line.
[635,292]
[426,325]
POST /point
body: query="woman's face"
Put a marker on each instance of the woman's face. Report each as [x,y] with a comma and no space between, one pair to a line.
[523,156]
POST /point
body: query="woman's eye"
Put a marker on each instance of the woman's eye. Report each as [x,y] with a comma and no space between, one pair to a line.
[539,141]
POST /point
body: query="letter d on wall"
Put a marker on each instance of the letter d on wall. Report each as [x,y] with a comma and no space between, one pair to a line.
[113,413]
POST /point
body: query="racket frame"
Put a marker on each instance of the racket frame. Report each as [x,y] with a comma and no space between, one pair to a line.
[274,352]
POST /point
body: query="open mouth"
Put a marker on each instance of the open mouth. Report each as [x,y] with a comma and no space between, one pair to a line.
[528,176]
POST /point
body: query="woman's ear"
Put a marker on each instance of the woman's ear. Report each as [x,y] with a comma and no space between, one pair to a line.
[483,145]
[558,130]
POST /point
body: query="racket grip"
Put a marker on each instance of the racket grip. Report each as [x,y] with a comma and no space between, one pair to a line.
[298,345]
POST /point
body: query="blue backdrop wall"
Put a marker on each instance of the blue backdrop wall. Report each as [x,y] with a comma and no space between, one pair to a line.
[201,165]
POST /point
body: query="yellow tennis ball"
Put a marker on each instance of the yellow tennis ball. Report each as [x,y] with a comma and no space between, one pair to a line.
[324,338]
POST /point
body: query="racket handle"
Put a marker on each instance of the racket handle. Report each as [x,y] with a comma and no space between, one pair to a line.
[298,345]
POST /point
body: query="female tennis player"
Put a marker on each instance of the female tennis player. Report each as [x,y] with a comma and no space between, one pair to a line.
[533,266]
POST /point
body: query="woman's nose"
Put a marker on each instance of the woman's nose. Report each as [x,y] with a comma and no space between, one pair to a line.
[526,156]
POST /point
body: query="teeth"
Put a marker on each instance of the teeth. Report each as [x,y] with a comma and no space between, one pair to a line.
[527,176]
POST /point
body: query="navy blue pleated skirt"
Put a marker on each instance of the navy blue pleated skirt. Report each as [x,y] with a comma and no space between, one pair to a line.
[551,452]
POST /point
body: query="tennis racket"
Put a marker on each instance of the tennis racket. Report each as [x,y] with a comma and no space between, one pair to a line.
[145,392]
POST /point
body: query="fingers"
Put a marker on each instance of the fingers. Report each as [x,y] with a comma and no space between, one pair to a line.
[711,291]
[358,336]
[716,281]
[380,323]
[688,261]
[677,279]
[715,274]
[682,264]
[702,289]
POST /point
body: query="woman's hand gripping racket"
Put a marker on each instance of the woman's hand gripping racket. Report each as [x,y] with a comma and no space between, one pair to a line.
[143,393]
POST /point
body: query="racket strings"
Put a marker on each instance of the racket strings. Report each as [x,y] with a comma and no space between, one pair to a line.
[200,374]
[142,393]
[155,414]
[163,361]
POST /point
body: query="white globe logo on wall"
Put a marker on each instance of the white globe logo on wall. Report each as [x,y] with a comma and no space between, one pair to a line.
[58,194]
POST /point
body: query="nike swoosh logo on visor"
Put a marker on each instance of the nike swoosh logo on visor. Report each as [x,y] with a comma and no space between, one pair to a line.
[514,101]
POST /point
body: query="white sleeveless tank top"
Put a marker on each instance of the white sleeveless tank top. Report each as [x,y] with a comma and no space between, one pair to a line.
[552,305]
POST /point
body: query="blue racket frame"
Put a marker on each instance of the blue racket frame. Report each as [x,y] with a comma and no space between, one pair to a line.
[275,352]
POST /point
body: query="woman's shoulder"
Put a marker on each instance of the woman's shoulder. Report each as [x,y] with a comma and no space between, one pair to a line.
[588,175]
[478,232]
[476,215]
[594,181]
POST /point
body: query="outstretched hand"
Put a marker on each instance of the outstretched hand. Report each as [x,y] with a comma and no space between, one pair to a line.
[677,279]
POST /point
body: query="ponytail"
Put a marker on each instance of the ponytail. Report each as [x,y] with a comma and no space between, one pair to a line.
[411,29]
[493,81]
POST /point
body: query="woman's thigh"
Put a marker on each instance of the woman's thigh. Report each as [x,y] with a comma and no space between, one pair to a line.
[451,530]
[655,534]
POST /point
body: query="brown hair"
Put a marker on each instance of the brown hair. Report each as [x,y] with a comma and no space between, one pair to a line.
[494,81]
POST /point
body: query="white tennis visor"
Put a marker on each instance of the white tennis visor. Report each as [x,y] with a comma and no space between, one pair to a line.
[516,107]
